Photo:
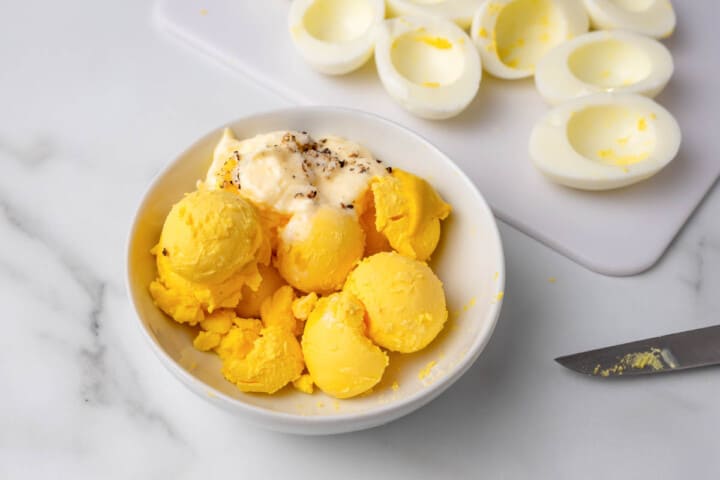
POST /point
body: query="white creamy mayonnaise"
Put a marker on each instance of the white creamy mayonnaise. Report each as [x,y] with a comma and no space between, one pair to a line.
[290,172]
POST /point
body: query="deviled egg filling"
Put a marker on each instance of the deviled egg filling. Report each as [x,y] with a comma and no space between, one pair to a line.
[604,141]
[655,18]
[335,36]
[428,65]
[458,11]
[513,35]
[610,61]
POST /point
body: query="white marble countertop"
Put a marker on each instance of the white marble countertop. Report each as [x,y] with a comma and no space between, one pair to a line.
[94,101]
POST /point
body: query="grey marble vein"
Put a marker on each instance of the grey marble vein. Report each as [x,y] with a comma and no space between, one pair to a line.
[93,356]
[34,154]
[699,266]
[98,387]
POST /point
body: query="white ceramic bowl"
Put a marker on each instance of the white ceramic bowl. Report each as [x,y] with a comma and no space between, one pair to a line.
[469,260]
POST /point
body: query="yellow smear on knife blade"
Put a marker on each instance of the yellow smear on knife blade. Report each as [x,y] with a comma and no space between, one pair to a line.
[650,359]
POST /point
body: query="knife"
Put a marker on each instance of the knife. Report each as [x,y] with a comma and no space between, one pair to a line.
[669,353]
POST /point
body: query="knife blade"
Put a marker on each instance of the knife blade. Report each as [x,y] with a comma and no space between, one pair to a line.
[669,353]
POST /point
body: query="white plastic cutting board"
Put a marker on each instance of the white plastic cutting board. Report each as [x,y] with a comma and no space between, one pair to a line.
[617,233]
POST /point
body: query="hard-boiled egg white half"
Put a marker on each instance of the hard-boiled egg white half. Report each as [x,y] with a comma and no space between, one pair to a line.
[604,141]
[655,18]
[604,61]
[428,65]
[458,11]
[335,36]
[513,35]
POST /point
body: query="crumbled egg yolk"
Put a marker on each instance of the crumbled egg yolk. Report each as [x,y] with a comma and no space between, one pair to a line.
[304,384]
[274,360]
[206,341]
[637,360]
[301,307]
[239,340]
[469,304]
[427,369]
[220,321]
[277,310]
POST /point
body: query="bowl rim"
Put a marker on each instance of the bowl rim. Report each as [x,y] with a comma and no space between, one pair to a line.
[389,411]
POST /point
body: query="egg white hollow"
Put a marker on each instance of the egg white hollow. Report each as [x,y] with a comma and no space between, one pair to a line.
[604,141]
[604,61]
[513,35]
[654,18]
[335,37]
[458,11]
[428,65]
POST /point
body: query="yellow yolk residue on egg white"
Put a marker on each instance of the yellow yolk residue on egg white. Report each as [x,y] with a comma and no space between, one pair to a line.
[622,137]
[437,42]
[427,65]
[611,157]
[604,141]
[427,60]
[513,35]
[524,31]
